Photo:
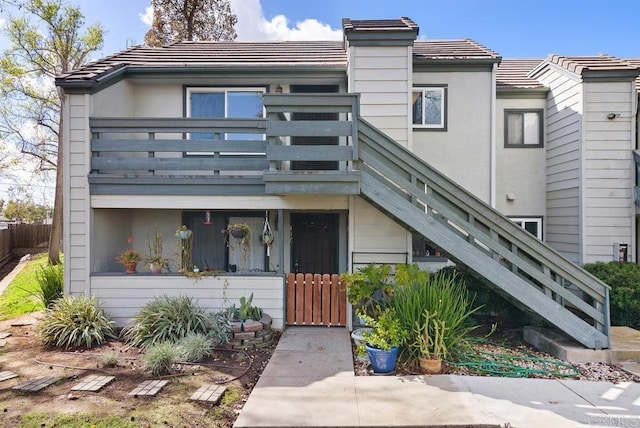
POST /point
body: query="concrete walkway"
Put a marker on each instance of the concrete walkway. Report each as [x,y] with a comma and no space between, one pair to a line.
[309,381]
[4,283]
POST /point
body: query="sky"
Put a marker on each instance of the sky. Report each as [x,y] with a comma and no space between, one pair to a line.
[512,28]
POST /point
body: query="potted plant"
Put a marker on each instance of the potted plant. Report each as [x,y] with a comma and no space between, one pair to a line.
[154,259]
[368,288]
[384,339]
[430,342]
[129,258]
[241,232]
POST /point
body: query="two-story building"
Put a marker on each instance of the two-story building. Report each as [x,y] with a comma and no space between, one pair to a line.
[382,148]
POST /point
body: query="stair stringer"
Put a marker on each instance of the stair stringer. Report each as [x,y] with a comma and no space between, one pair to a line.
[479,262]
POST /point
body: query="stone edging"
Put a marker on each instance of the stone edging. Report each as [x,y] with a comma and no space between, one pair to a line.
[252,334]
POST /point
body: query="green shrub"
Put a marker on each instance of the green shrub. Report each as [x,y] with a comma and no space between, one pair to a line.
[109,359]
[386,329]
[220,325]
[166,319]
[417,292]
[491,303]
[50,282]
[194,347]
[159,358]
[368,288]
[75,322]
[624,280]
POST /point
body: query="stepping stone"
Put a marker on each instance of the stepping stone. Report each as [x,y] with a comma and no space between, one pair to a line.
[149,387]
[4,334]
[209,393]
[35,385]
[93,383]
[3,343]
[22,323]
[7,375]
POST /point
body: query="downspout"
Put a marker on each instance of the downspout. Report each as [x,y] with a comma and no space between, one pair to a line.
[492,138]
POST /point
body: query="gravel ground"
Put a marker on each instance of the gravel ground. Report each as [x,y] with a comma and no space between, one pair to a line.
[519,360]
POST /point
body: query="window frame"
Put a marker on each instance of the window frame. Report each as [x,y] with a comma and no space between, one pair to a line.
[188,90]
[444,90]
[539,112]
[221,89]
[520,221]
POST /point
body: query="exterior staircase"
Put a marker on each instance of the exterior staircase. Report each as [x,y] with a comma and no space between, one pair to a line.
[507,258]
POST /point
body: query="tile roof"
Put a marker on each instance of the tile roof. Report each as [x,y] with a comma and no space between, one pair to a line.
[216,54]
[635,62]
[580,64]
[513,74]
[400,24]
[460,49]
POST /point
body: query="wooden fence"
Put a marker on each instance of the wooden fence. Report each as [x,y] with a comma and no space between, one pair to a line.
[29,235]
[316,300]
[5,245]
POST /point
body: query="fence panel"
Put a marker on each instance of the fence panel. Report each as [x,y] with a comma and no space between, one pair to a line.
[5,244]
[29,235]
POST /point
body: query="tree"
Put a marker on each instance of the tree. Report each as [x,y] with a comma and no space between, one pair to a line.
[30,115]
[26,210]
[178,20]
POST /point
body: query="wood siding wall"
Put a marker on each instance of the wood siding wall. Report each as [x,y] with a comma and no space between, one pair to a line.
[76,204]
[123,296]
[382,77]
[563,118]
[608,168]
[376,237]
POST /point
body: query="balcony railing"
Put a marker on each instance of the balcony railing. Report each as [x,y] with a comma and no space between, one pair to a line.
[228,156]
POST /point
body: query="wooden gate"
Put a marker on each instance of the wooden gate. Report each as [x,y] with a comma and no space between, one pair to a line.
[315,299]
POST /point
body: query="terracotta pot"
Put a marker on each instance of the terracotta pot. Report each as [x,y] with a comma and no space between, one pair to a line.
[130,267]
[429,366]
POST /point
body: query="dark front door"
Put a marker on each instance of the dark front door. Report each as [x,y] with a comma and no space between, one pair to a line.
[314,248]
[310,141]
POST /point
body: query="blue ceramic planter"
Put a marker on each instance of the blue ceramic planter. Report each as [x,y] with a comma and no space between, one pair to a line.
[382,362]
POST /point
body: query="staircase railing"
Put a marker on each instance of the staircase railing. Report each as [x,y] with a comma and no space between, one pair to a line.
[566,285]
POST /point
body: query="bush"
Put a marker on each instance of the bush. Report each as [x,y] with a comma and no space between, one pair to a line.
[220,326]
[109,359]
[166,319]
[75,322]
[194,347]
[490,303]
[50,281]
[160,358]
[417,292]
[624,280]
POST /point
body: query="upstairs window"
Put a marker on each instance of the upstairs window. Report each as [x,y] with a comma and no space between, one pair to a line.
[523,128]
[245,103]
[429,106]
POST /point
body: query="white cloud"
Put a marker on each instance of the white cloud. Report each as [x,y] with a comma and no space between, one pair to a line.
[147,16]
[252,24]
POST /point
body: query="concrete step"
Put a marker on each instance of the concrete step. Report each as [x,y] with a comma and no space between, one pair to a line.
[625,345]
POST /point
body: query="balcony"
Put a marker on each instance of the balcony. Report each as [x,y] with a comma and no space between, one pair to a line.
[282,154]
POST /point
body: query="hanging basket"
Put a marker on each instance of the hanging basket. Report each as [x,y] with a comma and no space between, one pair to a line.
[238,233]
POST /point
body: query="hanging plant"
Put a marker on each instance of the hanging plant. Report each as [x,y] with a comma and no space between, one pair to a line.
[241,234]
[267,236]
[184,244]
